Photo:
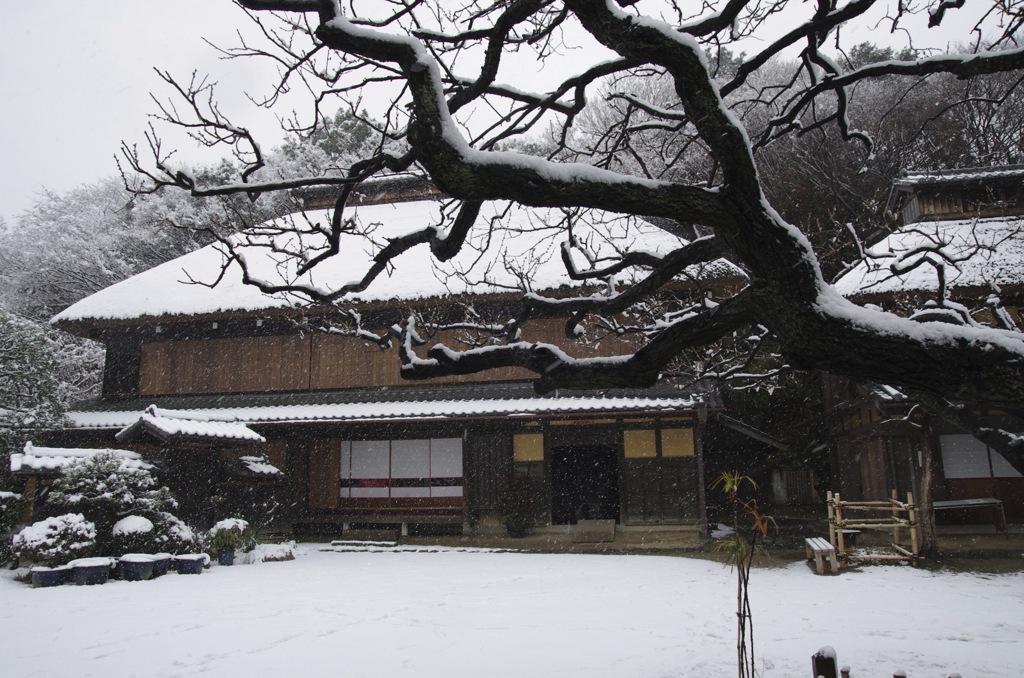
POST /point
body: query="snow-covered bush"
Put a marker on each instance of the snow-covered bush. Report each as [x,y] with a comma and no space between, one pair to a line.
[55,541]
[132,534]
[171,535]
[258,503]
[108,480]
[231,534]
[115,492]
[160,533]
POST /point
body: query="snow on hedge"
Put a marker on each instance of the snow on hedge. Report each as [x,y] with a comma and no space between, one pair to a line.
[132,525]
[229,524]
[56,538]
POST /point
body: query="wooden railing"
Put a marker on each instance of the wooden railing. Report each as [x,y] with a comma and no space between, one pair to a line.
[891,514]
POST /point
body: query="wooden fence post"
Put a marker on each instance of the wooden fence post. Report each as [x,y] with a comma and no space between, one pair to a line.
[915,539]
[840,527]
[823,663]
[830,502]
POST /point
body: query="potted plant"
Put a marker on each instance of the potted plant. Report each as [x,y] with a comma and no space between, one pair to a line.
[136,566]
[43,576]
[516,508]
[91,571]
[191,563]
[161,564]
[226,537]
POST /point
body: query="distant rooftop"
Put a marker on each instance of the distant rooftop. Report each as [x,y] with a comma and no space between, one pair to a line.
[377,191]
[959,175]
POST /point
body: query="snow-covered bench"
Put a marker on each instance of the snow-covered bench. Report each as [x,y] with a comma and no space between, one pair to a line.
[819,549]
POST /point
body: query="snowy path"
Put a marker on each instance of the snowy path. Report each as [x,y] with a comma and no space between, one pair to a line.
[508,614]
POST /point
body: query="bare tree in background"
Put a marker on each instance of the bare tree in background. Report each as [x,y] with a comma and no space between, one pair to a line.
[455,91]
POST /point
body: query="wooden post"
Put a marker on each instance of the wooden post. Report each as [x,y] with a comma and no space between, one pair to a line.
[895,518]
[28,497]
[915,542]
[823,663]
[698,448]
[830,502]
[840,538]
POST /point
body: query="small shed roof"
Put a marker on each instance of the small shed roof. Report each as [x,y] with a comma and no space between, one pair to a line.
[52,459]
[174,426]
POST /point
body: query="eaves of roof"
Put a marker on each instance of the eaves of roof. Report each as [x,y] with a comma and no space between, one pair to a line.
[477,401]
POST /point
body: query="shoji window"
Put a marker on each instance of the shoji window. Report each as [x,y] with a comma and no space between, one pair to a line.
[964,456]
[379,469]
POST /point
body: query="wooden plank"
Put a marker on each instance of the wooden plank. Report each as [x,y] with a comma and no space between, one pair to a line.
[324,463]
[153,368]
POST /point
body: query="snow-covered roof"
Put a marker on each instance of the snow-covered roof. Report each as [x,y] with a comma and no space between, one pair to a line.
[402,410]
[519,247]
[959,175]
[172,425]
[55,458]
[983,252]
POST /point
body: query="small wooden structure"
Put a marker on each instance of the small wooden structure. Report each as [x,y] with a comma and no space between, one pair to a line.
[892,514]
[999,515]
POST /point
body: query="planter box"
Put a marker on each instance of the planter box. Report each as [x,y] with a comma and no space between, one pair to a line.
[191,563]
[136,567]
[90,571]
[226,557]
[162,564]
[43,577]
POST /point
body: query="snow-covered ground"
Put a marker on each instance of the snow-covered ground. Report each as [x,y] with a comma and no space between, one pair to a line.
[478,613]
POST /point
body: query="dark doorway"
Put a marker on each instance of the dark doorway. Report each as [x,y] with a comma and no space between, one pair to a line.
[584,483]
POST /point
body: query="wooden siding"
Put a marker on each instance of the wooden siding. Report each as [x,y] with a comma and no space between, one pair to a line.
[659,490]
[488,467]
[324,464]
[313,361]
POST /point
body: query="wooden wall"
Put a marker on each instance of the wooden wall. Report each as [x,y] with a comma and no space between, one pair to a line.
[312,361]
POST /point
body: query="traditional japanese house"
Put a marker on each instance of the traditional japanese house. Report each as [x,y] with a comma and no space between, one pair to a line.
[201,367]
[958,256]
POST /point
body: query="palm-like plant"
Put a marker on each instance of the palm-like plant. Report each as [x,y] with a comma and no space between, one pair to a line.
[739,552]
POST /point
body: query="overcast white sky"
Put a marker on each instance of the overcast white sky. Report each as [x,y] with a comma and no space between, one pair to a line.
[75,77]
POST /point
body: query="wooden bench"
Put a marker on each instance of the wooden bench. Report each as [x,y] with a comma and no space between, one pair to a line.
[819,549]
[999,515]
